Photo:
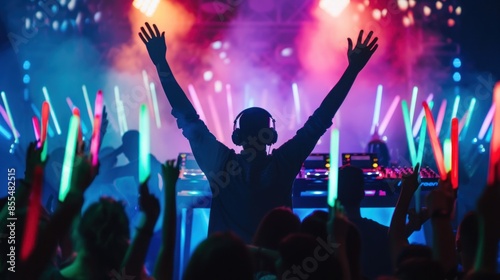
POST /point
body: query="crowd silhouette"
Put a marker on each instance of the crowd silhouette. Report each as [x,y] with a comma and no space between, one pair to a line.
[253,232]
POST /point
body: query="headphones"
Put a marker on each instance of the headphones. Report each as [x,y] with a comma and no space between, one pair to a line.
[237,134]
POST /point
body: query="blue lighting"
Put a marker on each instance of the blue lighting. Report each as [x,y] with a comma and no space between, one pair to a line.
[457,77]
[457,62]
[26,65]
[26,79]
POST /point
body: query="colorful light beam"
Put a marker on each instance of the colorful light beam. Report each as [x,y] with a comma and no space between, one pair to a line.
[39,115]
[36,127]
[120,111]
[333,175]
[440,117]
[216,120]
[418,122]
[409,136]
[376,111]
[413,103]
[230,110]
[196,101]
[69,157]
[155,104]
[87,104]
[486,123]
[9,115]
[144,144]
[296,101]
[456,103]
[52,112]
[389,114]
[436,146]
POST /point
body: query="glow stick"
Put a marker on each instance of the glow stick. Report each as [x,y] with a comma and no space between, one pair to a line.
[229,98]
[436,146]
[147,85]
[76,112]
[155,105]
[9,115]
[455,107]
[39,116]
[33,214]
[376,111]
[486,123]
[409,136]
[447,154]
[440,117]
[95,142]
[70,103]
[469,117]
[215,114]
[418,122]
[87,103]
[99,104]
[489,135]
[36,127]
[5,133]
[462,122]
[52,113]
[144,144]
[413,103]
[454,153]
[196,102]
[45,121]
[421,142]
[69,157]
[333,175]
[389,114]
[495,140]
[296,101]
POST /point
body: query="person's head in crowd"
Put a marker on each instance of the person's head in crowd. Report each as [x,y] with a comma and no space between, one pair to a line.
[351,187]
[315,224]
[467,240]
[414,251]
[420,268]
[275,225]
[303,257]
[102,235]
[130,142]
[222,256]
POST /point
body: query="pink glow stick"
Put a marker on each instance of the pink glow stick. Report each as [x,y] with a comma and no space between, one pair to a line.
[36,127]
[454,153]
[79,140]
[495,139]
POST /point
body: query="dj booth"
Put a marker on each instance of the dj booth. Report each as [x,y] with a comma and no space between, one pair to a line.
[309,193]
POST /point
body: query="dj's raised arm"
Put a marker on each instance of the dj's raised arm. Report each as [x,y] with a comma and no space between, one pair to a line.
[301,145]
[209,152]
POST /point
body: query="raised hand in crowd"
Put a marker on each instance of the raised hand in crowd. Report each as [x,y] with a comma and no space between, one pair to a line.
[361,53]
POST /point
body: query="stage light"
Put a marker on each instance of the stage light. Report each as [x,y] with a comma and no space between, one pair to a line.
[427,11]
[457,62]
[145,80]
[222,55]
[458,10]
[412,3]
[361,7]
[451,22]
[377,14]
[286,52]
[147,7]
[26,65]
[450,9]
[208,75]
[216,45]
[196,101]
[403,5]
[9,115]
[333,7]
[384,12]
[227,61]
[439,5]
[406,21]
[218,86]
[229,98]
[413,103]
[26,79]
[440,116]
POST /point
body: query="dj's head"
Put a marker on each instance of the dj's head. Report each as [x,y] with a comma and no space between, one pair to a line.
[254,123]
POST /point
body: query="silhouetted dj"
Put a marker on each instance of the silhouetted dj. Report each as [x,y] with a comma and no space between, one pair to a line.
[379,147]
[246,186]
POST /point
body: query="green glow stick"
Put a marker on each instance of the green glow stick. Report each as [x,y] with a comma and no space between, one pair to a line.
[409,132]
[144,144]
[447,154]
[69,157]
[333,175]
